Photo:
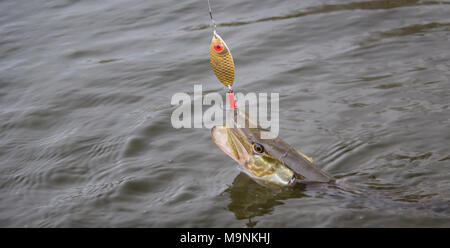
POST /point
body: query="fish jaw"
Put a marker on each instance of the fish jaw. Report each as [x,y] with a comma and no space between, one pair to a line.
[225,140]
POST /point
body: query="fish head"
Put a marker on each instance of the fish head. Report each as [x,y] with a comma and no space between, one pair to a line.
[268,160]
[242,143]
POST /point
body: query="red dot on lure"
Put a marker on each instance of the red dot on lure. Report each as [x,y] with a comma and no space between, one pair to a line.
[218,47]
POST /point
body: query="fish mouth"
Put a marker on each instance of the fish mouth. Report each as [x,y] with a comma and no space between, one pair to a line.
[231,142]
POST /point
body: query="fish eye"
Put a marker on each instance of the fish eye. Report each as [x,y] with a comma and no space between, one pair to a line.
[218,47]
[258,148]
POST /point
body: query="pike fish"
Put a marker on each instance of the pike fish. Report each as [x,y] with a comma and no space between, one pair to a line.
[271,161]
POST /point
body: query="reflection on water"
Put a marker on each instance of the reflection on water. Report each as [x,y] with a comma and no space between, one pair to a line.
[250,199]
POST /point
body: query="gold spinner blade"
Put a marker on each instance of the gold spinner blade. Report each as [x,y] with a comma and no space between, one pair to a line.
[221,60]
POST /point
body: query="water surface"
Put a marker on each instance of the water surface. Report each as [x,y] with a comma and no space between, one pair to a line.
[85,132]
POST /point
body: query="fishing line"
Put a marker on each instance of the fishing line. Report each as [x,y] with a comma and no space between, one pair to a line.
[212,19]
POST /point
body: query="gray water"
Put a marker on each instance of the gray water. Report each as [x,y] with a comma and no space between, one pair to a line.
[85,132]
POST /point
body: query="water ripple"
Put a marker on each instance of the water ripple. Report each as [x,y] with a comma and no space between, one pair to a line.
[327,8]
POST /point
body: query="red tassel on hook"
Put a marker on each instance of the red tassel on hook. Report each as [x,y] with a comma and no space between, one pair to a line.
[231,97]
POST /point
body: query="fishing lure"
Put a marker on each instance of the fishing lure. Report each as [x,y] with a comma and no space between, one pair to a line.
[221,60]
